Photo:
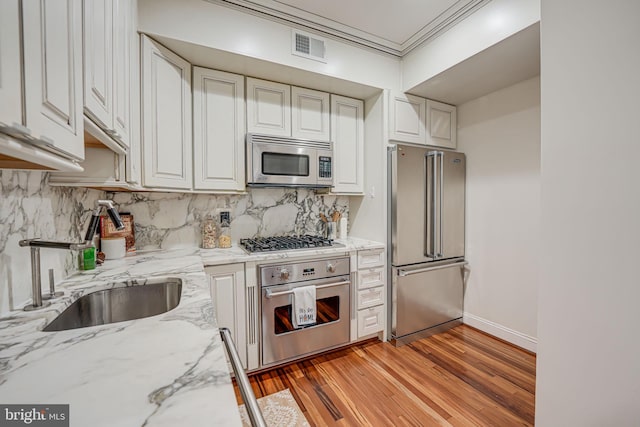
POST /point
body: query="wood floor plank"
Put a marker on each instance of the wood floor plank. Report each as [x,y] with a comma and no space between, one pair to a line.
[479,381]
[459,378]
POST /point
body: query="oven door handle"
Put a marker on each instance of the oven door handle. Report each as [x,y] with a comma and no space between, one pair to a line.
[270,294]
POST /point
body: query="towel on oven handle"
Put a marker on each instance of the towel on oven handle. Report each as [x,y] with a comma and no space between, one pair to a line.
[304,306]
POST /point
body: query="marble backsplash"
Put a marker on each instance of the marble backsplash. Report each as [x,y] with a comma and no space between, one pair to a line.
[30,208]
[170,220]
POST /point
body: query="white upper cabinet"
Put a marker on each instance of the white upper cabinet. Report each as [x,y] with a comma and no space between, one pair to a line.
[422,121]
[407,118]
[268,107]
[310,114]
[10,71]
[52,40]
[347,134]
[166,118]
[218,130]
[282,110]
[124,37]
[441,124]
[98,61]
[108,32]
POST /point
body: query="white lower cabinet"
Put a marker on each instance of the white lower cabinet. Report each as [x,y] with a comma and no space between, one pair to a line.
[370,297]
[227,285]
[370,321]
[368,316]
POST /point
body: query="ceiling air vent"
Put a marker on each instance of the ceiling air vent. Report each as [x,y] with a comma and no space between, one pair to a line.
[308,46]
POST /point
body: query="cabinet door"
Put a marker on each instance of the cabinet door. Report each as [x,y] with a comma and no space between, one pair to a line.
[370,258]
[370,278]
[227,293]
[166,117]
[123,32]
[347,134]
[310,114]
[10,71]
[370,321]
[370,297]
[53,73]
[218,130]
[268,107]
[98,61]
[134,155]
[441,124]
[407,119]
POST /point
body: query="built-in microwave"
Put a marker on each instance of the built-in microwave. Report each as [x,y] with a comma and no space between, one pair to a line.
[274,161]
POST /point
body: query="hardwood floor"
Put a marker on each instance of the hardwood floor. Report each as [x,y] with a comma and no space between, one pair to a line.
[462,377]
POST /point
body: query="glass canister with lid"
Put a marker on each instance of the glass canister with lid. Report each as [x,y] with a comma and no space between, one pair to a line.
[224,239]
[209,233]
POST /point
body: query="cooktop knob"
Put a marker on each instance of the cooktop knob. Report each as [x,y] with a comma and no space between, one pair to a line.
[331,268]
[284,274]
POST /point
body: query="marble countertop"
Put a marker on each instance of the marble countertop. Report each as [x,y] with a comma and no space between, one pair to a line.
[164,370]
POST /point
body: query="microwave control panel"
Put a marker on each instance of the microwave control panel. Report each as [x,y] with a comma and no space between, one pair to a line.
[324,166]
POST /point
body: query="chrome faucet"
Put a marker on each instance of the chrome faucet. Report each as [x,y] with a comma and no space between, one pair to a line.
[36,244]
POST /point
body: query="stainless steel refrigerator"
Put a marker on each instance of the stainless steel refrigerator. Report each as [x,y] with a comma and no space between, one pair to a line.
[426,233]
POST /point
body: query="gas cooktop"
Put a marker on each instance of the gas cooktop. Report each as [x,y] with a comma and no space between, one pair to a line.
[285,243]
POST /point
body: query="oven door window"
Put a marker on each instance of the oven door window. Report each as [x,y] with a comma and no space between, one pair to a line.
[285,164]
[327,311]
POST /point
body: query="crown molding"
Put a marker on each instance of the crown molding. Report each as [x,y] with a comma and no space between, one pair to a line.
[282,13]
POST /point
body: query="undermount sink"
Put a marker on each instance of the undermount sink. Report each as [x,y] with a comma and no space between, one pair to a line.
[155,296]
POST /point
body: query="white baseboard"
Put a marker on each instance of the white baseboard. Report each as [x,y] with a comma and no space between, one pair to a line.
[514,337]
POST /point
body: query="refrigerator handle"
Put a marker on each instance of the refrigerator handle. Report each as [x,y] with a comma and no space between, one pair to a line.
[430,201]
[404,273]
[440,192]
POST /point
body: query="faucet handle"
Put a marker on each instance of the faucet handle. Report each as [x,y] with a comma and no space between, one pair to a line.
[115,218]
[27,242]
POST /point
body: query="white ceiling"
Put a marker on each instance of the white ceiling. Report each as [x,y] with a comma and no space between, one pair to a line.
[395,27]
[392,26]
[395,21]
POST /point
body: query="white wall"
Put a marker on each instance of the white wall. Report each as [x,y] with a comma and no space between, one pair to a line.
[588,342]
[494,22]
[367,214]
[500,135]
[207,24]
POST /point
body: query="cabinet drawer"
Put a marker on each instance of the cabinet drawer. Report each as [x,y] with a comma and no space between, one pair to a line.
[370,297]
[370,278]
[370,258]
[370,320]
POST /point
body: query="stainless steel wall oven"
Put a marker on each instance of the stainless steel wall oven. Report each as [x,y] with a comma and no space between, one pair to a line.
[281,340]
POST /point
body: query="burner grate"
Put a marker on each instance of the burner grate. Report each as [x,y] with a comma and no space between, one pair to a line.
[282,243]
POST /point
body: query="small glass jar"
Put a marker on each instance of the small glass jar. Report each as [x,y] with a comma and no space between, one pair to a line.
[209,233]
[224,240]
